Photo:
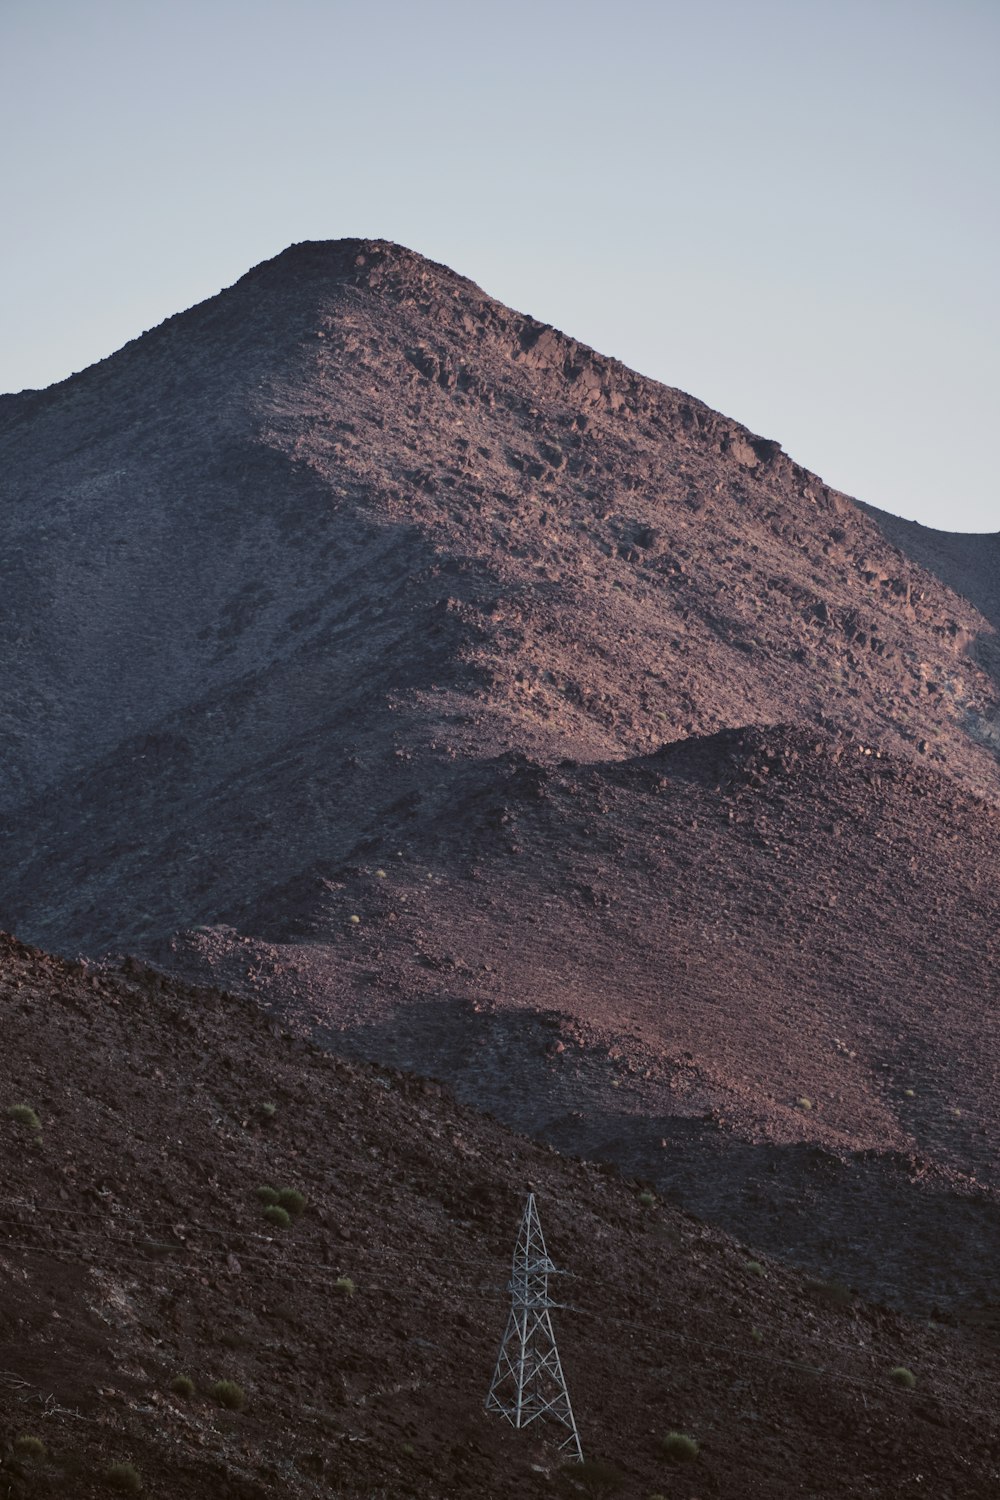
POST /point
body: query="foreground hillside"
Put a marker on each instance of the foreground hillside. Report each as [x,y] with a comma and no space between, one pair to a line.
[134,1250]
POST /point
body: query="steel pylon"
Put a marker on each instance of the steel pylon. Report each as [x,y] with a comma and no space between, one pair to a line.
[528,1382]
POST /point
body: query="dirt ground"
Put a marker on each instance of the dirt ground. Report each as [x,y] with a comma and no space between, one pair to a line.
[134,1249]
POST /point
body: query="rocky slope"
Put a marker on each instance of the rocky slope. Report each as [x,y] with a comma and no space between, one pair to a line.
[968,562]
[134,1249]
[759,969]
[311,594]
[353,486]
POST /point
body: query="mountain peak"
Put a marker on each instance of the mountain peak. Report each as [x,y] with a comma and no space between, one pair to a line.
[371,262]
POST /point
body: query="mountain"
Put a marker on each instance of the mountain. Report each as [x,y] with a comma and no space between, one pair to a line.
[362,1336]
[967,562]
[660,778]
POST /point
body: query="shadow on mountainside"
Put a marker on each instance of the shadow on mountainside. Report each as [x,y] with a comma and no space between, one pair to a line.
[969,564]
[891,1225]
[252,780]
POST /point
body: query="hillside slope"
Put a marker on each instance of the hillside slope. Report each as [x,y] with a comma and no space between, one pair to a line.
[967,562]
[133,1249]
[352,495]
[333,575]
[698,963]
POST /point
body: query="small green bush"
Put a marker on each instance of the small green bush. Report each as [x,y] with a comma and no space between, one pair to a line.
[23,1114]
[27,1446]
[292,1201]
[903,1377]
[804,1103]
[345,1286]
[269,1111]
[124,1478]
[754,1268]
[756,1335]
[647,1199]
[228,1394]
[182,1385]
[279,1217]
[266,1195]
[679,1448]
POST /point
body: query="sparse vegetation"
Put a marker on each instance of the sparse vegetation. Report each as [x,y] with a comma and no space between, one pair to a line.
[756,1335]
[345,1286]
[903,1377]
[292,1201]
[27,1446]
[228,1394]
[269,1111]
[679,1448]
[754,1268]
[803,1102]
[182,1385]
[124,1478]
[647,1199]
[281,1205]
[23,1114]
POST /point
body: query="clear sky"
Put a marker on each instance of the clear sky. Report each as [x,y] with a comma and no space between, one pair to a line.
[787,207]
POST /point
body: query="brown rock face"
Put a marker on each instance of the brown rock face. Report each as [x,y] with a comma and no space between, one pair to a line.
[354,594]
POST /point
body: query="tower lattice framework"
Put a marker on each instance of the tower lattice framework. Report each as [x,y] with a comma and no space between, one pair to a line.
[528,1382]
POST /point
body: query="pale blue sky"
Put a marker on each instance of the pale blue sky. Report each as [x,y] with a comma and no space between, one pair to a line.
[787,207]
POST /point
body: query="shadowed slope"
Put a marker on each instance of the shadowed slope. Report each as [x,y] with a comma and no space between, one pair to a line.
[967,562]
[756,939]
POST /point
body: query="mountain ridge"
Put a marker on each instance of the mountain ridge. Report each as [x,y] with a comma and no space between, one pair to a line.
[285,438]
[352,565]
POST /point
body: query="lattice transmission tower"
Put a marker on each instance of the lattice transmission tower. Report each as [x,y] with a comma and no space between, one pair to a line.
[528,1382]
